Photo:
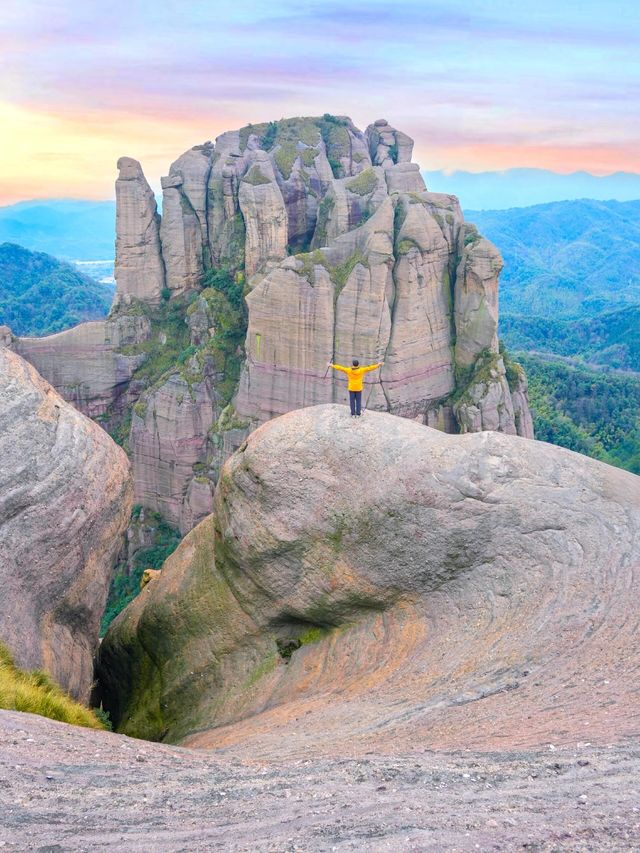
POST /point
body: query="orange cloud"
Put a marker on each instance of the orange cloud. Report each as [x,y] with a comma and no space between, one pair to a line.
[74,154]
[55,156]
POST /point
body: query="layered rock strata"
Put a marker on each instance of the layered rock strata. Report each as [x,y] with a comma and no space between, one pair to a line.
[90,365]
[379,585]
[65,500]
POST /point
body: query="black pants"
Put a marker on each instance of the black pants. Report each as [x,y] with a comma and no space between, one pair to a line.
[355,400]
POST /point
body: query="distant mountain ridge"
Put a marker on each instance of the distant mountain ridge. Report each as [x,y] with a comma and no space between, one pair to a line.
[527,187]
[67,228]
[77,229]
[566,259]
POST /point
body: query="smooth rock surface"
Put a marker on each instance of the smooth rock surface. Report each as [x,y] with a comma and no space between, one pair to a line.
[65,501]
[377,585]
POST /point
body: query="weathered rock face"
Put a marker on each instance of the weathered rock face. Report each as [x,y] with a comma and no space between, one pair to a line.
[169,438]
[264,213]
[139,268]
[65,500]
[184,219]
[408,286]
[363,585]
[86,364]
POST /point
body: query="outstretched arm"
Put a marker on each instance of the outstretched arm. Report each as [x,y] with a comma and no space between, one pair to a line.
[372,367]
[338,367]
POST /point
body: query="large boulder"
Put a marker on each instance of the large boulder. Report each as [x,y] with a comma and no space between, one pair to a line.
[65,500]
[378,584]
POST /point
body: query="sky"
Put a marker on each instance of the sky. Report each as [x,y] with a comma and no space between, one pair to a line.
[487,85]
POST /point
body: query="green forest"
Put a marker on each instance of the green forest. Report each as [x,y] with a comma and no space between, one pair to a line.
[41,295]
[595,412]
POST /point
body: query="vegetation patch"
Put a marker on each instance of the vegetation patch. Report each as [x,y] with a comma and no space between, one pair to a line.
[287,647]
[285,156]
[249,129]
[325,209]
[482,372]
[37,693]
[125,585]
[255,177]
[308,156]
[340,274]
[309,261]
[335,135]
[225,296]
[471,235]
[364,183]
[406,245]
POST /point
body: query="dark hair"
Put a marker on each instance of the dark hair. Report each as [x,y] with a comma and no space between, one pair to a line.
[355,362]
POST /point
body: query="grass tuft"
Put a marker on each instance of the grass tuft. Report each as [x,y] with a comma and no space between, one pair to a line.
[36,693]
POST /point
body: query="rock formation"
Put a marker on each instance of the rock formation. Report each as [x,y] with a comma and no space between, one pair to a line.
[169,436]
[342,253]
[65,500]
[379,584]
[394,271]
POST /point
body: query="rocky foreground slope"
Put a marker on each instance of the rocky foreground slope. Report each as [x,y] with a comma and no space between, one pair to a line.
[379,586]
[331,235]
[67,789]
[65,501]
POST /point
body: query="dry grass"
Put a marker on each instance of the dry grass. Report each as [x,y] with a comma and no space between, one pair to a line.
[36,693]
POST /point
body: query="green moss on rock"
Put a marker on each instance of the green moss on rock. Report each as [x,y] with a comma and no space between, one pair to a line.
[255,177]
[285,156]
[364,183]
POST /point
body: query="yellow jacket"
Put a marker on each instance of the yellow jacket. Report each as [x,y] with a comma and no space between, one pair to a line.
[355,374]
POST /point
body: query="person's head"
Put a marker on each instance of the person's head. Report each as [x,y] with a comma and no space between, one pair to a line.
[355,362]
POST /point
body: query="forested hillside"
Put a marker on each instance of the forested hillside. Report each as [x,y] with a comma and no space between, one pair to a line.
[566,259]
[610,339]
[40,295]
[590,411]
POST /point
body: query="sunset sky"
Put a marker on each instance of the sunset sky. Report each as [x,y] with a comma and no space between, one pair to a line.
[481,85]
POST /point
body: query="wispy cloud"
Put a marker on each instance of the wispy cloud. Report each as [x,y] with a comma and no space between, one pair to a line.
[472,82]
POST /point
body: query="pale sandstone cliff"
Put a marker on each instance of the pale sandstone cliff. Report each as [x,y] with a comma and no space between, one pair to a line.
[139,264]
[65,501]
[88,364]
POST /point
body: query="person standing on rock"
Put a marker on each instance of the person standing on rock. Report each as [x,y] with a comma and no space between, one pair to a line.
[354,375]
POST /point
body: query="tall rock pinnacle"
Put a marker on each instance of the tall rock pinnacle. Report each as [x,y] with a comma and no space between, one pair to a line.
[139,269]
